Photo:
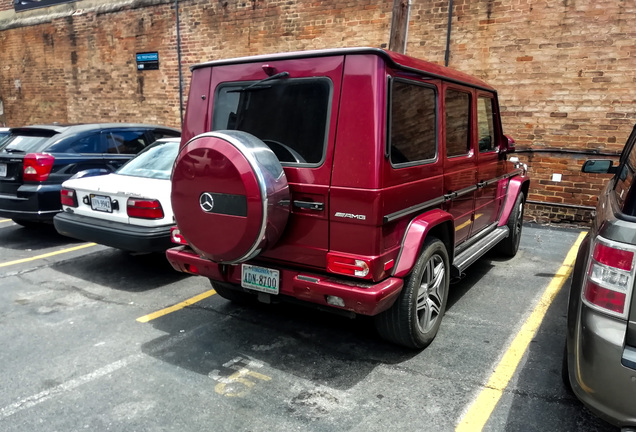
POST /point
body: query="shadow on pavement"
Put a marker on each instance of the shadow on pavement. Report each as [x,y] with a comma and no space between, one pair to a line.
[324,348]
[15,237]
[121,270]
[540,399]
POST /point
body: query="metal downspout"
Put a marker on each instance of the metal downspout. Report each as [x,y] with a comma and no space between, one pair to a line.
[176,6]
[448,32]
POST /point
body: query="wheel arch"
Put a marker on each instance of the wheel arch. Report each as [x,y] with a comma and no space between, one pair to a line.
[516,185]
[436,223]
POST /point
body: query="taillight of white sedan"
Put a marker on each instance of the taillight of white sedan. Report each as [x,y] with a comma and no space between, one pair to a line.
[129,209]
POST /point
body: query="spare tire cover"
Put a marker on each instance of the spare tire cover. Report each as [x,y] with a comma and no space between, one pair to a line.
[229,195]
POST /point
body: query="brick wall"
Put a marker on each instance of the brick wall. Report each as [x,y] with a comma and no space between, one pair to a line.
[564,69]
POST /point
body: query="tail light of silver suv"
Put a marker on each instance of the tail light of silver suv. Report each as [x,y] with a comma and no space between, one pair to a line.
[609,280]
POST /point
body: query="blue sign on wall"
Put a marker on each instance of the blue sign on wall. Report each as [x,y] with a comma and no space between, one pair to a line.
[147,61]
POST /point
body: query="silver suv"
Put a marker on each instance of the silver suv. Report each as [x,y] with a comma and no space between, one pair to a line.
[600,354]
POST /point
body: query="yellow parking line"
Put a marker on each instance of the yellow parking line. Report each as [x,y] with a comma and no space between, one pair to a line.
[481,409]
[176,307]
[46,255]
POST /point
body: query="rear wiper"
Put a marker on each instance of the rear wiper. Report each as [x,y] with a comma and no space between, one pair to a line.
[13,150]
[258,83]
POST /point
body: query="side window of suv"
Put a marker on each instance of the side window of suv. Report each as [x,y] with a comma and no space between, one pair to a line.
[87,144]
[413,120]
[485,124]
[625,195]
[158,134]
[126,141]
[457,123]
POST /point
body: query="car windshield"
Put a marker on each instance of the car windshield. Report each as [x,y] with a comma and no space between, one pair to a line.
[154,162]
[289,115]
[16,143]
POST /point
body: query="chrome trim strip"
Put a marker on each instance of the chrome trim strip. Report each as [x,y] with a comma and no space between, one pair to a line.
[473,253]
[308,278]
[413,209]
[444,198]
[480,235]
[31,212]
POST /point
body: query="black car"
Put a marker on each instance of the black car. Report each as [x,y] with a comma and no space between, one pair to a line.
[35,160]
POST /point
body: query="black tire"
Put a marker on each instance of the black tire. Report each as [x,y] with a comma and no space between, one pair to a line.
[27,223]
[509,246]
[232,292]
[412,323]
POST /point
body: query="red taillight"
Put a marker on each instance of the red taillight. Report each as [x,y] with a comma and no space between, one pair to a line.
[37,166]
[176,237]
[617,258]
[144,208]
[610,276]
[68,197]
[347,265]
[605,298]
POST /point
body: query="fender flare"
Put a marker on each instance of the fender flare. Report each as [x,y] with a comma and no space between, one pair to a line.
[414,238]
[516,185]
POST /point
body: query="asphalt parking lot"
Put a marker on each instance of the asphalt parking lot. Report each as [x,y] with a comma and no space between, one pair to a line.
[96,339]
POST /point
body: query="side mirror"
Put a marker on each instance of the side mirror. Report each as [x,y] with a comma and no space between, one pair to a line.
[599,166]
[511,144]
[506,147]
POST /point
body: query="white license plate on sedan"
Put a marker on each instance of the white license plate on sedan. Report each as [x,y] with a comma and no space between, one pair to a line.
[101,203]
[3,170]
[260,279]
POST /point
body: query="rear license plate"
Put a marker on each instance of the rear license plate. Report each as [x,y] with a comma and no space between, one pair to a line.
[3,170]
[101,203]
[260,279]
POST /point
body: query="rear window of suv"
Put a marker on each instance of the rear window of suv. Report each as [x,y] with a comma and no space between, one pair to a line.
[289,115]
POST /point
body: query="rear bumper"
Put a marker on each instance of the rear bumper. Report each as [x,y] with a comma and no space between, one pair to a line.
[599,380]
[361,298]
[114,234]
[33,202]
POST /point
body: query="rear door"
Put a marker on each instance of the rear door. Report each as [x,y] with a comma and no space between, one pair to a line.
[460,164]
[295,116]
[74,154]
[122,145]
[490,165]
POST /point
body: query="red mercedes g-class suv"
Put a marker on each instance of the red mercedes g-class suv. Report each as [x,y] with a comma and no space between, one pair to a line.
[356,178]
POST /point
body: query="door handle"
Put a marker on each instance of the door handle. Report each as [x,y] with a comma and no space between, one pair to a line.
[309,205]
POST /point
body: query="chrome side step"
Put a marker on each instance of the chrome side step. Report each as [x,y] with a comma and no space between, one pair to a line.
[476,250]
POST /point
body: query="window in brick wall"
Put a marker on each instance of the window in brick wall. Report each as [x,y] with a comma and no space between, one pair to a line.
[21,5]
[413,120]
[457,123]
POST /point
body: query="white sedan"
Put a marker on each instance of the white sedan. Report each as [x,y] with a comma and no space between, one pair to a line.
[129,209]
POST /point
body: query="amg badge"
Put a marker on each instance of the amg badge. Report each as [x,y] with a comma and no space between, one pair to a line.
[350,216]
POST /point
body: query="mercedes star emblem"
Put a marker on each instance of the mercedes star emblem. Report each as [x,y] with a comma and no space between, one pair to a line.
[206,201]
